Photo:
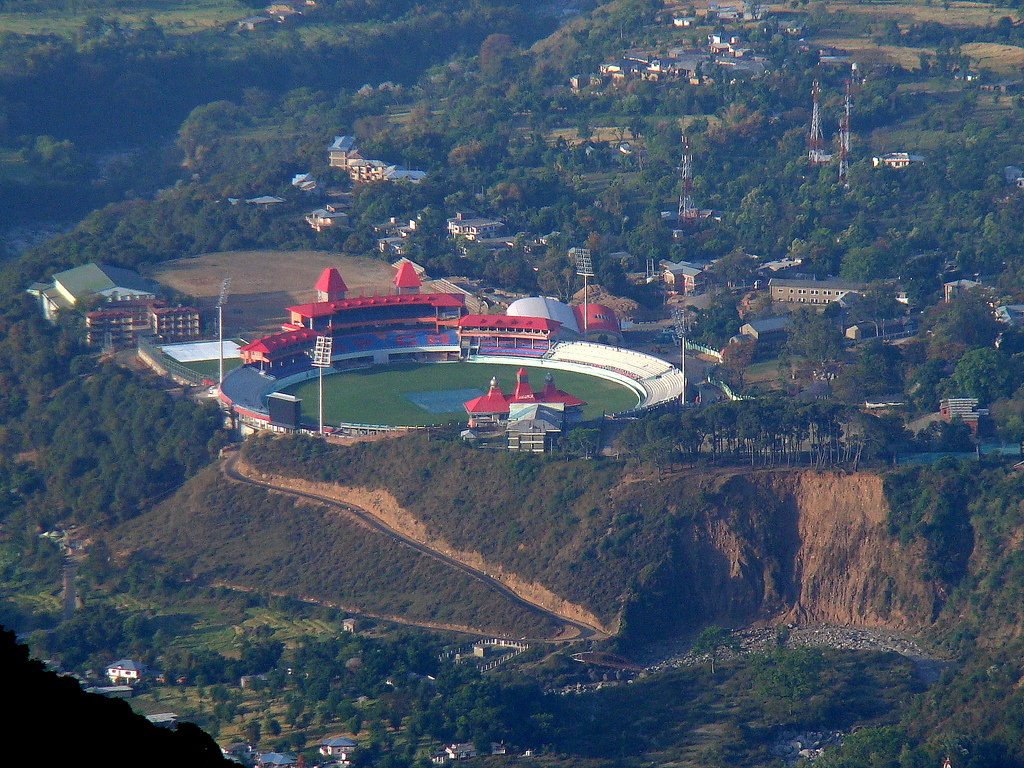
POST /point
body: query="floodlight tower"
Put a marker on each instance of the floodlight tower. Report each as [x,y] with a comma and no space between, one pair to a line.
[687,211]
[221,301]
[679,321]
[844,140]
[815,153]
[585,269]
[322,359]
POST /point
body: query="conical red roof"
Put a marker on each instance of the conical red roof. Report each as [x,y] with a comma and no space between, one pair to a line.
[406,276]
[550,394]
[522,392]
[330,282]
[493,402]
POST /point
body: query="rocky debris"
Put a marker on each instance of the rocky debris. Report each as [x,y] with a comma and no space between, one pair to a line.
[793,746]
[763,640]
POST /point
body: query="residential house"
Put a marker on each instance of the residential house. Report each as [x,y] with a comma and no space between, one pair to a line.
[125,672]
[393,246]
[263,202]
[340,150]
[952,288]
[896,160]
[276,760]
[460,751]
[250,23]
[473,227]
[792,291]
[684,277]
[964,408]
[886,328]
[305,182]
[339,748]
[1010,314]
[164,719]
[328,216]
[771,331]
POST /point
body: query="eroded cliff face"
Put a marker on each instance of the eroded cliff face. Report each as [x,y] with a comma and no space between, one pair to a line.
[798,546]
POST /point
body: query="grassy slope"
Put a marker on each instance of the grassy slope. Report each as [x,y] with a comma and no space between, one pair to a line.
[245,536]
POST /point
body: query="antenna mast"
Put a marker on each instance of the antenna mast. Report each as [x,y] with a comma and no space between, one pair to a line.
[816,154]
[844,140]
[687,211]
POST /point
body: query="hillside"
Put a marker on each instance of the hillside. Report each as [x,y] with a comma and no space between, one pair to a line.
[249,538]
[643,557]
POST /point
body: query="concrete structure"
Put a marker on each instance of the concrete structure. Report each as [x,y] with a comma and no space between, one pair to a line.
[810,291]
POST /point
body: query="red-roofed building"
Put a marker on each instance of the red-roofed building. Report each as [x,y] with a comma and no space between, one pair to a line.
[523,393]
[505,334]
[494,407]
[491,408]
[600,322]
[280,349]
[549,394]
[330,286]
[406,280]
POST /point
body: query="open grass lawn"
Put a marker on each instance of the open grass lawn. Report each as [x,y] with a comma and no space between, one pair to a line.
[376,395]
[176,16]
[211,368]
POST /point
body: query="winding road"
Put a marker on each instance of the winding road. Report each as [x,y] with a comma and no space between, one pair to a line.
[582,631]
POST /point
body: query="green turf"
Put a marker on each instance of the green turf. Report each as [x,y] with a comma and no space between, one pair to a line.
[210,368]
[375,395]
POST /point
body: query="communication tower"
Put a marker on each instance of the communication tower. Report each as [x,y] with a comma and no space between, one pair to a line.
[844,140]
[687,211]
[816,152]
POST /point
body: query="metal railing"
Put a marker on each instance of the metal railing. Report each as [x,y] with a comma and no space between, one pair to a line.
[155,358]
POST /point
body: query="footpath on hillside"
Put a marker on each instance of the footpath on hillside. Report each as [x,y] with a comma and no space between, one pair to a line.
[388,519]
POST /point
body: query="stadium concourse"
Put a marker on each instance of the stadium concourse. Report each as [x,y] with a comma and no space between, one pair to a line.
[414,327]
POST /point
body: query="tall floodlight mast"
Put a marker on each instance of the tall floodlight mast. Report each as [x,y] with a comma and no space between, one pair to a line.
[844,140]
[816,153]
[322,359]
[687,210]
[679,322]
[221,301]
[585,269]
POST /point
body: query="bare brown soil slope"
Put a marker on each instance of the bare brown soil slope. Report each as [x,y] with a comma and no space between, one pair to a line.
[803,547]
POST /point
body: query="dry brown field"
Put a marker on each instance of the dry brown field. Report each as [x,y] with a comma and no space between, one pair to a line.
[959,14]
[264,283]
[1002,59]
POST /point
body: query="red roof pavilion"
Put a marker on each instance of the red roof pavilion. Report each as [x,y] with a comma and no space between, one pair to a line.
[494,402]
[406,280]
[330,286]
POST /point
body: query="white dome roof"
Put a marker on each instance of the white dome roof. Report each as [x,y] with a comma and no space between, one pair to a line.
[542,306]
